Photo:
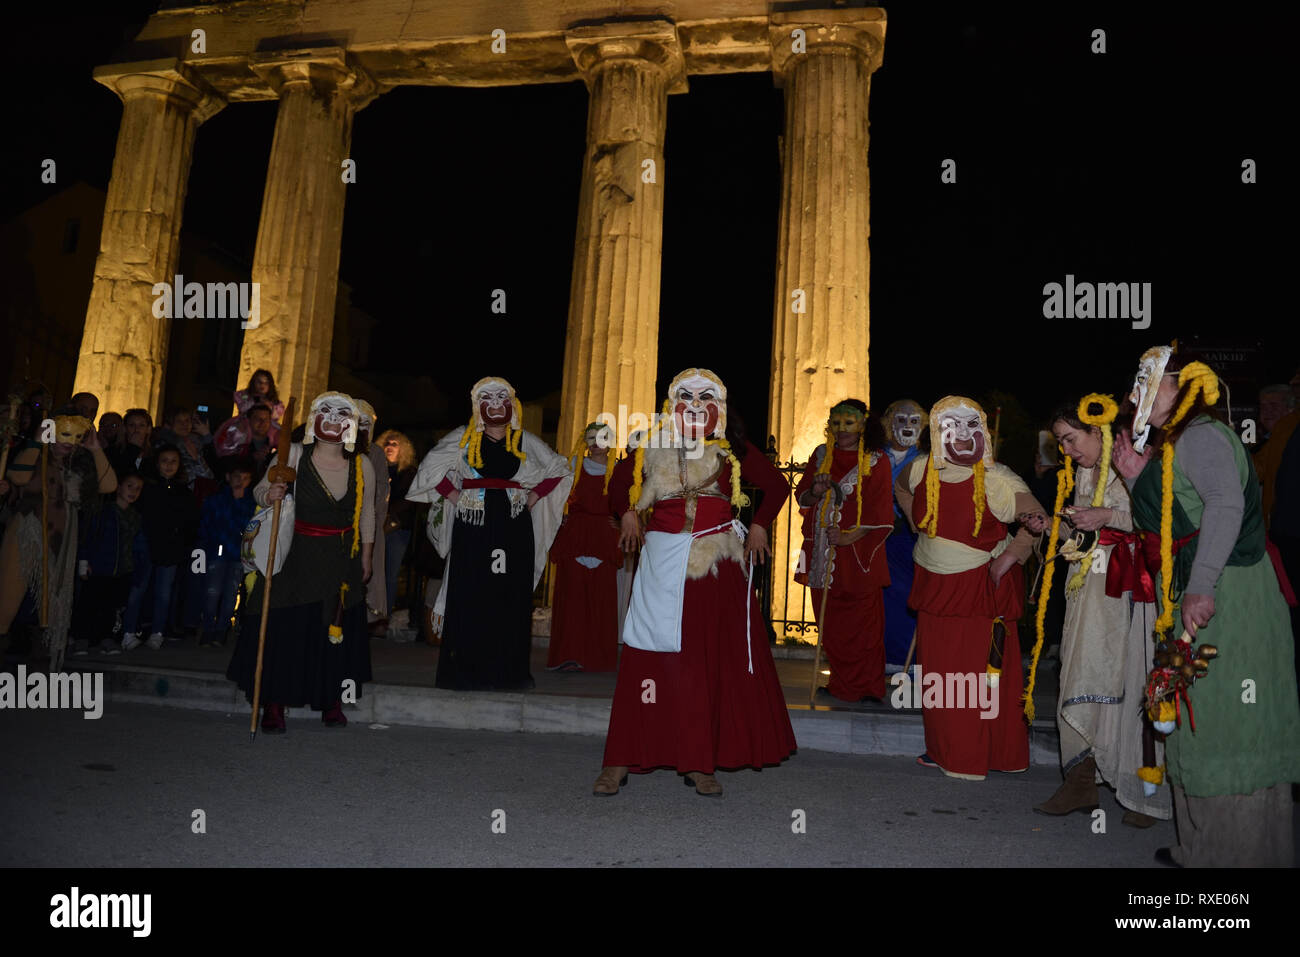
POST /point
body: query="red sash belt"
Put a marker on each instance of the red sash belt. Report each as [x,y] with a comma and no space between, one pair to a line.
[318,531]
[489,483]
[1129,570]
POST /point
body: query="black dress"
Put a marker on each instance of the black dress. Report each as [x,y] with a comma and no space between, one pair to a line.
[300,665]
[487,623]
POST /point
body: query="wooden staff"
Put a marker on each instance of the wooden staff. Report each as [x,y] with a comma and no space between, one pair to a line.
[826,591]
[280,472]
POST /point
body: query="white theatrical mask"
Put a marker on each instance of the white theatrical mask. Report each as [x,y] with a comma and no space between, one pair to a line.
[904,420]
[964,436]
[698,405]
[1151,370]
[333,418]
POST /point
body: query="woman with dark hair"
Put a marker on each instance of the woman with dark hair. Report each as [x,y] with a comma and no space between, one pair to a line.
[399,453]
[1197,503]
[1106,644]
[261,391]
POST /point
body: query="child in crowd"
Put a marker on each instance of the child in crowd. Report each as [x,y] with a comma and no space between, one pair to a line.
[171,517]
[221,527]
[113,543]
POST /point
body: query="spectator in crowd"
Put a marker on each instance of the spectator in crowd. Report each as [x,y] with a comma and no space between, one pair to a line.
[170,523]
[135,454]
[261,391]
[399,452]
[111,432]
[192,439]
[86,404]
[221,527]
[113,543]
[248,436]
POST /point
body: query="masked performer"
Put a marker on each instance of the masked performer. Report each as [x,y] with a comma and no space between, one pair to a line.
[316,633]
[584,622]
[697,689]
[55,482]
[855,522]
[498,495]
[1197,501]
[1106,642]
[904,421]
[968,591]
[377,588]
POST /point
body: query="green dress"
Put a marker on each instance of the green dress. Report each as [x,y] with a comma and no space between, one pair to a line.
[1247,733]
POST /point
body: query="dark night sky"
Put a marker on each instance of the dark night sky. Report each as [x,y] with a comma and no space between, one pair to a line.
[1123,167]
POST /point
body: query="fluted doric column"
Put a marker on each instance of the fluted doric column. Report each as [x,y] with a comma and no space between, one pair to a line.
[611,346]
[124,345]
[296,264]
[820,334]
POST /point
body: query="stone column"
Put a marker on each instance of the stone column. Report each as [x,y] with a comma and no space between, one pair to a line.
[124,345]
[296,263]
[820,334]
[611,345]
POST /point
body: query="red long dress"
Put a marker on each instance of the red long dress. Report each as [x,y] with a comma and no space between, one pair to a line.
[954,622]
[584,616]
[708,711]
[854,637]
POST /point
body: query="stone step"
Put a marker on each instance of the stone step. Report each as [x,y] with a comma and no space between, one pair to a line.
[859,731]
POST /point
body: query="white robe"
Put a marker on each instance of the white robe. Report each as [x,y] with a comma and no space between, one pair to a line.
[447,460]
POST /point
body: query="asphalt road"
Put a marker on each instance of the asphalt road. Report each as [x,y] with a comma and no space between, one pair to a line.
[122,791]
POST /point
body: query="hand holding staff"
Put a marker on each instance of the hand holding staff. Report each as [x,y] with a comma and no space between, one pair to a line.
[280,472]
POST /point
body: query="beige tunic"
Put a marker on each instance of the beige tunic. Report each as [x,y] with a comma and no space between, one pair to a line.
[1106,650]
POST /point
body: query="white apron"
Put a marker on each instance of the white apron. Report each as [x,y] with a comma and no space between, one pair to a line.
[654,612]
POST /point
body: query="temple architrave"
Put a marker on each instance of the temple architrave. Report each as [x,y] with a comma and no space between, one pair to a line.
[323,60]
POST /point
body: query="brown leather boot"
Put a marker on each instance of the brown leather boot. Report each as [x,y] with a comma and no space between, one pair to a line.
[610,780]
[1077,793]
[705,784]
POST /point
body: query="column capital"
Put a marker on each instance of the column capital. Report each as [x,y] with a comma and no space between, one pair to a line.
[860,32]
[325,70]
[654,41]
[168,79]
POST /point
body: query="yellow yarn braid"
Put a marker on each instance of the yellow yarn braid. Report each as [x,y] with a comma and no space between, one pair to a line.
[638,468]
[738,498]
[864,469]
[473,438]
[609,470]
[977,495]
[356,509]
[1102,420]
[930,523]
[1206,383]
[1064,486]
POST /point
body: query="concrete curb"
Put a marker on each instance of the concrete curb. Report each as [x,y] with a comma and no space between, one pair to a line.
[844,732]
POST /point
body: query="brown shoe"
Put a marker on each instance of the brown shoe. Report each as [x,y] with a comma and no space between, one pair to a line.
[610,780]
[1077,793]
[1138,819]
[705,784]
